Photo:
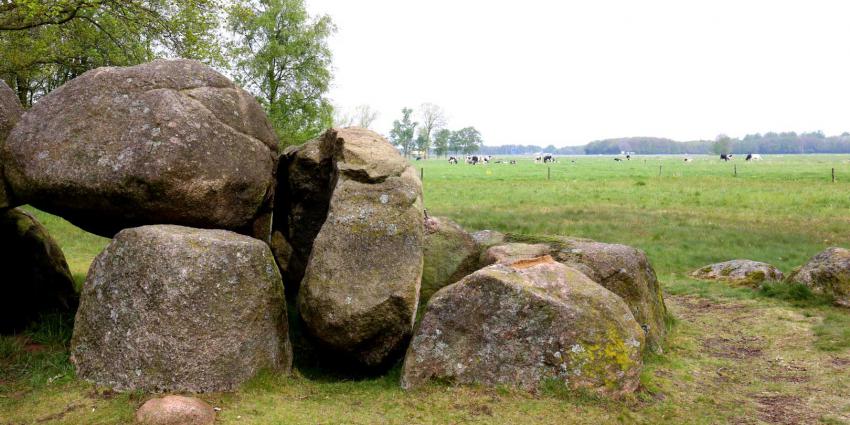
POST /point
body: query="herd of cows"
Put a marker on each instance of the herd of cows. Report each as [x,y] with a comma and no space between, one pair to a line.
[547,158]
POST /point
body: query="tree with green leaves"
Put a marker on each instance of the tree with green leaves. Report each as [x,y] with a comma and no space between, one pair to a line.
[281,55]
[442,140]
[722,145]
[468,140]
[403,130]
[44,44]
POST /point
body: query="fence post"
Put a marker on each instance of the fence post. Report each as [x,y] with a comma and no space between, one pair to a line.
[548,173]
[833,175]
[736,169]
[422,174]
[659,171]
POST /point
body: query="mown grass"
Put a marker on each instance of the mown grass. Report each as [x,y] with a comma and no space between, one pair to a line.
[729,348]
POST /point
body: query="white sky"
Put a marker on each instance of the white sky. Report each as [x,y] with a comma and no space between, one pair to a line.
[568,72]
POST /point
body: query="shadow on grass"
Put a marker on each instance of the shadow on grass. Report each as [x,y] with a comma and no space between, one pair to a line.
[37,355]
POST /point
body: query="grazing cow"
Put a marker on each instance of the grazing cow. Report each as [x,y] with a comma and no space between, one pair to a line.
[618,159]
[726,157]
[753,157]
[628,157]
[419,158]
[689,160]
[513,162]
[486,159]
[452,160]
[548,158]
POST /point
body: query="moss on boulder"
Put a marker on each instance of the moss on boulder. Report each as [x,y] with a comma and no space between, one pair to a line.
[827,273]
[747,273]
[450,254]
[525,324]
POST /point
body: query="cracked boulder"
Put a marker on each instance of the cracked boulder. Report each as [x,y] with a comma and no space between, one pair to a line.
[173,308]
[170,141]
[827,273]
[35,279]
[350,223]
[740,272]
[529,324]
[10,113]
[624,270]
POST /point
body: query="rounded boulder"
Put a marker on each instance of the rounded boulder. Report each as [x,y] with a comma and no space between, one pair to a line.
[172,308]
[525,325]
[35,274]
[740,272]
[827,273]
[175,410]
[166,142]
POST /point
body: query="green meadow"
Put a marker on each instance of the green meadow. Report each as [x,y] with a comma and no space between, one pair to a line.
[778,355]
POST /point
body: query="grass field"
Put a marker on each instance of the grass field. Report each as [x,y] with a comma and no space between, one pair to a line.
[779,355]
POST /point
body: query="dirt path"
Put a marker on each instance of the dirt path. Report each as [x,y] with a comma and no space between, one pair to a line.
[756,361]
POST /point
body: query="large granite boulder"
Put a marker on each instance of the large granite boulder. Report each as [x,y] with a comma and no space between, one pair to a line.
[827,273]
[36,279]
[450,254]
[624,270]
[361,282]
[167,142]
[740,272]
[526,324]
[172,308]
[10,113]
[175,410]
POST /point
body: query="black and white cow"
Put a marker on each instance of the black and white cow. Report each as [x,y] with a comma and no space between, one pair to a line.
[726,157]
[753,157]
[452,160]
[618,159]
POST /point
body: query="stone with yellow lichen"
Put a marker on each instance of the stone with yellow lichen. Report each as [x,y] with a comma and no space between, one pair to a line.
[525,324]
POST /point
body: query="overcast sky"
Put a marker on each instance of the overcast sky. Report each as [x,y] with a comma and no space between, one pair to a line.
[568,72]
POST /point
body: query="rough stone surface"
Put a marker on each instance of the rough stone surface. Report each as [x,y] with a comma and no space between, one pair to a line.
[740,272]
[10,113]
[172,308]
[827,273]
[304,189]
[487,238]
[511,252]
[450,254]
[622,269]
[35,277]
[361,284]
[523,325]
[175,410]
[167,142]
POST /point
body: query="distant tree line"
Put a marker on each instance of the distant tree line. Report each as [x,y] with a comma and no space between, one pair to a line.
[767,143]
[429,135]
